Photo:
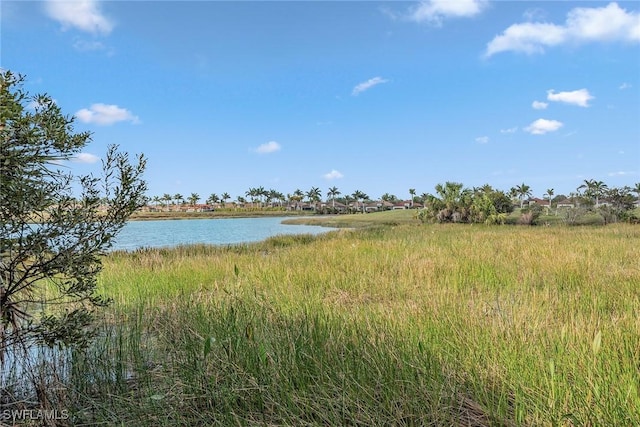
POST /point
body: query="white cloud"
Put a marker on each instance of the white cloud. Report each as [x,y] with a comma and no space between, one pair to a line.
[510,130]
[482,139]
[528,38]
[542,126]
[604,23]
[268,147]
[368,85]
[583,25]
[334,174]
[85,15]
[435,11]
[539,105]
[103,114]
[622,173]
[85,158]
[579,97]
[624,86]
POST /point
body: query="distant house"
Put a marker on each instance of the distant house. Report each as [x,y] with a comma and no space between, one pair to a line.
[403,204]
[339,207]
[197,208]
[384,205]
[539,202]
[565,203]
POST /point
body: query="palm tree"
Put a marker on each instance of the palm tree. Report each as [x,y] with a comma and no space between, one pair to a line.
[386,197]
[277,196]
[486,189]
[513,193]
[261,193]
[225,197]
[314,195]
[523,191]
[297,197]
[549,194]
[193,198]
[268,197]
[156,200]
[599,189]
[213,199]
[451,194]
[412,192]
[593,189]
[252,193]
[332,193]
[359,195]
[178,198]
[167,198]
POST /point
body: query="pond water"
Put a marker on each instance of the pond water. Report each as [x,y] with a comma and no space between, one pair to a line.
[168,233]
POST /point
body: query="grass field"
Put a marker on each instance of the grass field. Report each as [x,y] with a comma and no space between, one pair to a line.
[404,324]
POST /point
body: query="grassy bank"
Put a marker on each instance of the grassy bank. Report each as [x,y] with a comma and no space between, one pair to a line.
[408,324]
[376,219]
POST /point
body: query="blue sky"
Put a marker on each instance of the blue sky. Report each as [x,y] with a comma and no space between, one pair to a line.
[372,96]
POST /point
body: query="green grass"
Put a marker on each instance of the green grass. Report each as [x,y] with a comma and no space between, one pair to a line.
[392,325]
[359,220]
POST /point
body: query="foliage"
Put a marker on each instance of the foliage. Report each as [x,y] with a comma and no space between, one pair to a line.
[529,215]
[51,241]
[573,215]
[454,203]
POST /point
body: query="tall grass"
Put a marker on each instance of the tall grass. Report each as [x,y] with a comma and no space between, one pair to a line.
[407,324]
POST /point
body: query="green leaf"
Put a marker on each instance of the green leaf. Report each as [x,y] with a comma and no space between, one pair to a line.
[597,342]
[207,345]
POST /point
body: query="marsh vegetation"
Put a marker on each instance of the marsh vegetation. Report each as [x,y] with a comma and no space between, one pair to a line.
[406,324]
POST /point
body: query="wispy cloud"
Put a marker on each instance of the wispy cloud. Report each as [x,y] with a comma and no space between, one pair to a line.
[435,11]
[579,97]
[542,126]
[91,46]
[509,130]
[622,173]
[268,147]
[364,86]
[539,105]
[583,25]
[103,114]
[84,15]
[482,139]
[624,86]
[85,158]
[334,174]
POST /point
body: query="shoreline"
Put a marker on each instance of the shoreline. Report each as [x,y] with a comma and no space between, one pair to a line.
[155,216]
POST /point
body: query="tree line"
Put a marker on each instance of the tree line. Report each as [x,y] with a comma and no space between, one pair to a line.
[451,201]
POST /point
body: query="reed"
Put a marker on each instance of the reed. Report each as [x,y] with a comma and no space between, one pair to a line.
[395,325]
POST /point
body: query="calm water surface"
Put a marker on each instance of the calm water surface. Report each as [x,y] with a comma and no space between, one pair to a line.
[167,233]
